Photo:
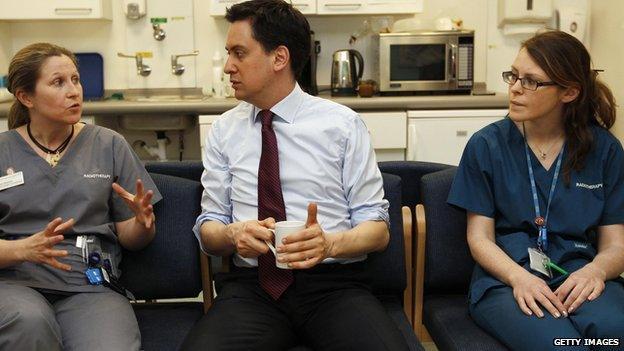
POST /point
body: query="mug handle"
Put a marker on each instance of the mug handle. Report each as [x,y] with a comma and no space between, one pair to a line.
[271,247]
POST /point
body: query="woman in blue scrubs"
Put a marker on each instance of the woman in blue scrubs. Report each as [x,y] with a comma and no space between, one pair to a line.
[549,180]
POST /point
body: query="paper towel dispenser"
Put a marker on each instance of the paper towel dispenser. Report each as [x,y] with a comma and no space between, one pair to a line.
[524,16]
[573,20]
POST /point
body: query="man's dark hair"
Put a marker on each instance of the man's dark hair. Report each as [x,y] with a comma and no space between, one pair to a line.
[275,23]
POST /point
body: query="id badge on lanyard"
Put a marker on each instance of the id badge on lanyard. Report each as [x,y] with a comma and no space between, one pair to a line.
[542,222]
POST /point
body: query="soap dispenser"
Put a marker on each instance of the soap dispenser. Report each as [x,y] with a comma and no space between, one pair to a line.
[218,86]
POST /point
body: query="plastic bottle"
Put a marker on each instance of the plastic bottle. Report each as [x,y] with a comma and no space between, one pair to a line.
[218,88]
[4,92]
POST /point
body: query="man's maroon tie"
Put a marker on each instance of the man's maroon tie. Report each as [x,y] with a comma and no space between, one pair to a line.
[270,204]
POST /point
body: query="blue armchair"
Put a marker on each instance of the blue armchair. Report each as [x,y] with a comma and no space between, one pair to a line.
[388,267]
[443,270]
[169,267]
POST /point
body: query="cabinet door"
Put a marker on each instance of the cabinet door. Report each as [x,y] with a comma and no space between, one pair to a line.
[3,125]
[388,133]
[217,7]
[354,7]
[442,140]
[205,123]
[55,9]
[307,7]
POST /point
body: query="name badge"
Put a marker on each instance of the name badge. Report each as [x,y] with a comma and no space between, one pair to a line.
[539,262]
[11,180]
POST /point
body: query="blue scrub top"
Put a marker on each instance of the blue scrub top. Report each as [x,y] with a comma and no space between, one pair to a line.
[492,180]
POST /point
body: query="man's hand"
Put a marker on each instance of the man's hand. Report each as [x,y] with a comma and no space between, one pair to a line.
[585,284]
[249,237]
[529,291]
[140,203]
[38,248]
[307,248]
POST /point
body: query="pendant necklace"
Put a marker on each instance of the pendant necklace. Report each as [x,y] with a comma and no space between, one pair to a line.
[52,156]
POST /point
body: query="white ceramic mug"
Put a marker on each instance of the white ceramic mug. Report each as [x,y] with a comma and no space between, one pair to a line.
[282,229]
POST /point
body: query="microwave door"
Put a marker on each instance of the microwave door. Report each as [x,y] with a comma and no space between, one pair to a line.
[418,62]
[421,66]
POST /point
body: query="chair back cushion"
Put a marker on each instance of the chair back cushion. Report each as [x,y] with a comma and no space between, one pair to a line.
[448,263]
[387,268]
[185,169]
[169,266]
[410,173]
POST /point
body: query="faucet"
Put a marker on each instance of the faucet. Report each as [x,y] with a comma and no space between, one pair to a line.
[142,68]
[178,68]
[159,33]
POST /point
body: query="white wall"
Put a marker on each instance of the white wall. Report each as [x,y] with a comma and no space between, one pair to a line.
[109,37]
[5,48]
[607,31]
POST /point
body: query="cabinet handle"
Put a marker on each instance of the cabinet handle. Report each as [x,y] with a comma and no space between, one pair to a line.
[461,133]
[343,6]
[69,11]
[301,5]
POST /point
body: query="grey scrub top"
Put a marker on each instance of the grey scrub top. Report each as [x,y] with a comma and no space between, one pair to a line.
[78,187]
[493,180]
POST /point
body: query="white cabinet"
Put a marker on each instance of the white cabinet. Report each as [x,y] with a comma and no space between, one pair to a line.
[3,125]
[352,7]
[388,133]
[205,123]
[55,9]
[217,7]
[441,135]
[336,7]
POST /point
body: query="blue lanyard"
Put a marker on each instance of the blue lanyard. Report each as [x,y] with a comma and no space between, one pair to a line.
[542,237]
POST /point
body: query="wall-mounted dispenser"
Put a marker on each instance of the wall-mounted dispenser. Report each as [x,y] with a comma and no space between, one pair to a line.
[134,9]
[572,17]
[524,16]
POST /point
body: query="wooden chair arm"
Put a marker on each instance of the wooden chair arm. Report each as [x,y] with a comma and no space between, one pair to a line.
[419,281]
[206,275]
[408,295]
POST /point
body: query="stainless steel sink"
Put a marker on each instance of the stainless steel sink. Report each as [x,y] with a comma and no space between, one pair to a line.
[157,122]
[164,95]
[166,98]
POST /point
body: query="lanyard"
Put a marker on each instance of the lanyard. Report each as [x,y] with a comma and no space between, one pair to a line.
[542,237]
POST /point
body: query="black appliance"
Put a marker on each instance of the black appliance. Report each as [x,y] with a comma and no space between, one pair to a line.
[307,80]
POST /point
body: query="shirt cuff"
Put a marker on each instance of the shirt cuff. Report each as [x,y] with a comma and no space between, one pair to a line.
[205,217]
[371,214]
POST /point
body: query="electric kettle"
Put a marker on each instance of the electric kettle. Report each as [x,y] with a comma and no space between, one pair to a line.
[344,78]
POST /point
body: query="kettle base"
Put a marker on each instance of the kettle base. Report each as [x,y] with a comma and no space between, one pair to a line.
[343,92]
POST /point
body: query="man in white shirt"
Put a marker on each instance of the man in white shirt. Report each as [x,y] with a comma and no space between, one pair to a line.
[283,154]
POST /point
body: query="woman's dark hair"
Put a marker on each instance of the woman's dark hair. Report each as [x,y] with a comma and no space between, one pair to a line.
[24,71]
[275,23]
[567,62]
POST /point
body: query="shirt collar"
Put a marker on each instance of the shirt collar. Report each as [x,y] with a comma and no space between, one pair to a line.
[287,107]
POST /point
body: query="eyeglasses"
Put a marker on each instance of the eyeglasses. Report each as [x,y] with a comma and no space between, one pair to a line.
[527,83]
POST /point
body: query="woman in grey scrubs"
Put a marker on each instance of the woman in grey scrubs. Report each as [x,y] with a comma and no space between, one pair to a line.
[64,211]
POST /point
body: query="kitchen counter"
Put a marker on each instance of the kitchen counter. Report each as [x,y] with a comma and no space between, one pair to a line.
[217,106]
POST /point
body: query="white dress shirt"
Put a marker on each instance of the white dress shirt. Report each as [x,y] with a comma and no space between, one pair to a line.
[325,156]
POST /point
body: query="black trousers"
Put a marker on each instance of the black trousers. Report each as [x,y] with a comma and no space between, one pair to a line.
[328,307]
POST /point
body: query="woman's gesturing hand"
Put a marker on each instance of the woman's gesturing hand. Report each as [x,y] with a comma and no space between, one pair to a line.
[39,247]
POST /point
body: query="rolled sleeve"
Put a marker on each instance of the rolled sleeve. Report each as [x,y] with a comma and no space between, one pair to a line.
[216,180]
[362,179]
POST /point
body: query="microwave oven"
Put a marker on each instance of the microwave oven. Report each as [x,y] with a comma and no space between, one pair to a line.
[425,61]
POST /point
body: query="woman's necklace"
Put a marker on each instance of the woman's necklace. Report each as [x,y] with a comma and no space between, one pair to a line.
[52,156]
[543,154]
